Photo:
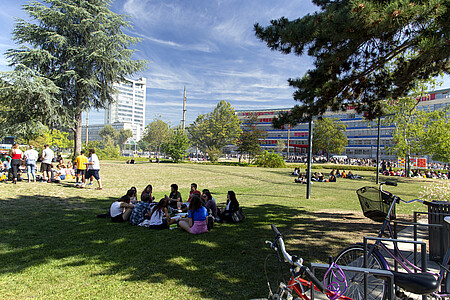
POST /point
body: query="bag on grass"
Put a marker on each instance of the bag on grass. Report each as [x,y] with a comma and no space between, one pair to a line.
[237,216]
[210,220]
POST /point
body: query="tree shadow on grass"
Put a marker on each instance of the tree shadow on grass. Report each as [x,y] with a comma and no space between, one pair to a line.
[226,263]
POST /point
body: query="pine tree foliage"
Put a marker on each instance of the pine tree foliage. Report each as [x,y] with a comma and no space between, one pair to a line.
[80,47]
[364,51]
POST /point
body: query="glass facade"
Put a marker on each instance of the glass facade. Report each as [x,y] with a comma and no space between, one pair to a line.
[362,134]
[129,106]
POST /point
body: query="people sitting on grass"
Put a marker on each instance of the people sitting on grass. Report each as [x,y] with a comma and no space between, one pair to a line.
[141,209]
[332,178]
[209,203]
[210,194]
[147,191]
[121,209]
[350,175]
[196,221]
[159,211]
[296,172]
[174,198]
[193,192]
[133,198]
[300,179]
[224,214]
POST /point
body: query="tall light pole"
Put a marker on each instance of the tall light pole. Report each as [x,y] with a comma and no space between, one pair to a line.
[288,140]
[378,150]
[308,171]
[184,108]
[87,127]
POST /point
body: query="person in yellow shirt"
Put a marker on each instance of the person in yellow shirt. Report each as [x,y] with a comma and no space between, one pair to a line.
[81,166]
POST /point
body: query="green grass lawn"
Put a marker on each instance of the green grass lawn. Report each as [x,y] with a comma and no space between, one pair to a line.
[52,246]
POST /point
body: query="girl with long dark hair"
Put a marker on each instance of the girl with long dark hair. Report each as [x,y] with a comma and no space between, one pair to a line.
[196,222]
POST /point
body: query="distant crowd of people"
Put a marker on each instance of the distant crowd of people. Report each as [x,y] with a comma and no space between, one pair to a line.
[17,162]
[320,177]
[199,210]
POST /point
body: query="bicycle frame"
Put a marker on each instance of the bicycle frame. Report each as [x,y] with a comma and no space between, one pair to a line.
[297,284]
[398,257]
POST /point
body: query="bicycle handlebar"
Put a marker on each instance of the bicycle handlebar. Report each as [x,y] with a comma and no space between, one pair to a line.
[294,261]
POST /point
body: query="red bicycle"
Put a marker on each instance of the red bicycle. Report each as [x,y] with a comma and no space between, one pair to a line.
[302,279]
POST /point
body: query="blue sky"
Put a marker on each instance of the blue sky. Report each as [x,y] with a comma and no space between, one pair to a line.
[207,46]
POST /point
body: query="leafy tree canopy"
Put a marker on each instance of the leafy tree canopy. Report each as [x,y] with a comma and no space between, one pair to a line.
[330,136]
[156,133]
[416,131]
[73,51]
[123,136]
[176,146]
[363,50]
[213,131]
[249,139]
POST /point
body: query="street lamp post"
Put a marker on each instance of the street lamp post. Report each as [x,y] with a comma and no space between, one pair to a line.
[378,150]
[308,180]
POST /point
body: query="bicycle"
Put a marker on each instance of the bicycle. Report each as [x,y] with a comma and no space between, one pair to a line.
[301,278]
[379,205]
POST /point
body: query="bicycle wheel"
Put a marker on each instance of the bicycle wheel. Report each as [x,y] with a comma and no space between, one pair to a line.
[353,256]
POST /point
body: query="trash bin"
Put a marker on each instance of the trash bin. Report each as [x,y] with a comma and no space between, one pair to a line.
[439,237]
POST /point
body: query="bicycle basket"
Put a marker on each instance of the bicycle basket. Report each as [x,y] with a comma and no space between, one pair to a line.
[375,204]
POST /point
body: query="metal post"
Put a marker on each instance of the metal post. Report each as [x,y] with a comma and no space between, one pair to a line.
[87,127]
[288,137]
[184,109]
[378,150]
[308,172]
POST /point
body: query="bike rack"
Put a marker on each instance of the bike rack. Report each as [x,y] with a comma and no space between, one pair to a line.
[415,224]
[423,251]
[366,271]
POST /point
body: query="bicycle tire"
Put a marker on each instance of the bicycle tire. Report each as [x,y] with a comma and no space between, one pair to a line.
[353,256]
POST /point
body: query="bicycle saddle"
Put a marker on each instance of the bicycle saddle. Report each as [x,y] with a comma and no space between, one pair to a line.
[417,283]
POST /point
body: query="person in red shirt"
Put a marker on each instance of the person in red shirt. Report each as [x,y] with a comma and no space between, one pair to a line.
[194,192]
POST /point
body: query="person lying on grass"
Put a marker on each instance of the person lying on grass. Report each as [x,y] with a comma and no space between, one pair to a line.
[121,209]
[196,221]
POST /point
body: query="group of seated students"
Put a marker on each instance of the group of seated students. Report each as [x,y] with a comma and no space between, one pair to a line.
[200,207]
[320,177]
[316,176]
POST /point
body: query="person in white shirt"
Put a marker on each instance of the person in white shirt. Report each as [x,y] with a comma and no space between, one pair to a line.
[93,168]
[46,165]
[31,157]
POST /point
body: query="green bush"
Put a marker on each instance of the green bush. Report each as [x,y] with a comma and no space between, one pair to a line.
[270,160]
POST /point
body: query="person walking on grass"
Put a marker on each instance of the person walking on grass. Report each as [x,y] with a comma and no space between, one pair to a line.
[93,168]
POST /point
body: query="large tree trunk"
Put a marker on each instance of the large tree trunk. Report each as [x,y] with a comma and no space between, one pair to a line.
[77,138]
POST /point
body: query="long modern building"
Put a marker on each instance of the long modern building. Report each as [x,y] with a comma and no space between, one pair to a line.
[362,136]
[129,106]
